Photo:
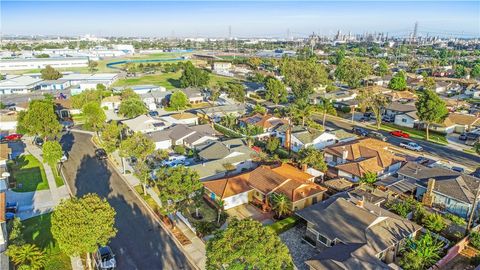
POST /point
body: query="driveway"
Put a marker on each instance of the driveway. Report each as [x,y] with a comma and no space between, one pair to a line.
[140,242]
[31,204]
[249,211]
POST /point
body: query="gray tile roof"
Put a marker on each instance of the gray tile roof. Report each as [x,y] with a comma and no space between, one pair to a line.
[400,107]
[447,182]
[307,136]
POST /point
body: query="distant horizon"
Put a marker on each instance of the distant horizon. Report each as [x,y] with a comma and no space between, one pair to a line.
[250,19]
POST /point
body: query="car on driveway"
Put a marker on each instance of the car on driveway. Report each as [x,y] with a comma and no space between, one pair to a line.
[360,131]
[153,113]
[388,118]
[104,259]
[12,137]
[411,146]
[11,207]
[38,141]
[100,153]
[377,135]
[399,133]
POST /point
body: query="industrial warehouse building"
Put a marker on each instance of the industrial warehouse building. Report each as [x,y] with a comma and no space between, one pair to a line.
[39,63]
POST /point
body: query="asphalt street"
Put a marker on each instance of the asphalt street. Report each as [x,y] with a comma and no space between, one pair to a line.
[140,242]
[434,149]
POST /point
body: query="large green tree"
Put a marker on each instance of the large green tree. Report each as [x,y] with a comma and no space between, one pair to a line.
[475,72]
[382,68]
[193,77]
[111,136]
[178,100]
[132,108]
[312,157]
[52,152]
[247,244]
[374,100]
[175,185]
[275,91]
[138,146]
[40,119]
[80,225]
[236,91]
[431,109]
[49,73]
[87,96]
[94,116]
[303,76]
[352,71]
[398,81]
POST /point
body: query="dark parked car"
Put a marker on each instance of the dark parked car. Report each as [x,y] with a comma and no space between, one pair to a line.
[9,216]
[101,153]
[360,131]
[388,118]
[377,135]
[104,259]
[38,141]
[11,207]
[458,169]
[463,137]
[153,113]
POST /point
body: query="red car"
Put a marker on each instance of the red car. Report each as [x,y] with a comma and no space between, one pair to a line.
[399,133]
[13,137]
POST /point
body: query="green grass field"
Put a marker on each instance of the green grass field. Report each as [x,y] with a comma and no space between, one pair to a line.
[58,179]
[417,134]
[284,224]
[29,174]
[37,231]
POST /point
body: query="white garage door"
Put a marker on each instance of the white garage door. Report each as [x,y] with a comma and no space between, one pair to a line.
[236,200]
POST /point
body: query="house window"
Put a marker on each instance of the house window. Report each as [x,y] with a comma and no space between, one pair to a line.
[323,240]
[381,255]
[404,120]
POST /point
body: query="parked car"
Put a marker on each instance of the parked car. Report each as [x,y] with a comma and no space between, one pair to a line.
[388,118]
[153,113]
[12,137]
[64,157]
[399,133]
[458,169]
[11,207]
[101,153]
[377,135]
[38,141]
[104,259]
[463,136]
[360,131]
[411,146]
[422,160]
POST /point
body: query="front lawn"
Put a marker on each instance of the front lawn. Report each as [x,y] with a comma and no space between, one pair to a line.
[284,224]
[28,173]
[168,80]
[58,179]
[416,133]
[37,231]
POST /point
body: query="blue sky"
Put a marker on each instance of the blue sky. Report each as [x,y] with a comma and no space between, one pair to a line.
[248,18]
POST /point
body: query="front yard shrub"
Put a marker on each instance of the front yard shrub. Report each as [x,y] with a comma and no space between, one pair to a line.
[475,239]
[455,219]
[400,208]
[284,224]
[434,222]
[179,149]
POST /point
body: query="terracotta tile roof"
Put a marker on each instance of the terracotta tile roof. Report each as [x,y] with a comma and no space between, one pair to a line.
[264,121]
[364,154]
[284,179]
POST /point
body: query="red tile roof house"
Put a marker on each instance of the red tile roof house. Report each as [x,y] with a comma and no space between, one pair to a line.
[351,160]
[257,185]
[267,122]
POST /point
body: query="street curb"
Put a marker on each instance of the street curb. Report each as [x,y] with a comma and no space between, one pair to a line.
[152,213]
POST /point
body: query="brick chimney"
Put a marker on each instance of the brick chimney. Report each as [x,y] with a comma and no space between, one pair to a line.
[288,138]
[361,202]
[428,196]
[304,167]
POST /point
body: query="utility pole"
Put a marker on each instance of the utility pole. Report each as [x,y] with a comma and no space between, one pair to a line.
[472,212]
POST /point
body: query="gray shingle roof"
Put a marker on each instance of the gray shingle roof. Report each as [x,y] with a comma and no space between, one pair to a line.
[400,107]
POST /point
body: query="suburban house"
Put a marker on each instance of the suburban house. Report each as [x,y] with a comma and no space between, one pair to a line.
[253,88]
[216,113]
[335,96]
[443,188]
[257,185]
[352,233]
[194,95]
[298,138]
[141,89]
[351,160]
[111,102]
[184,118]
[145,124]
[268,122]
[343,136]
[222,158]
[189,136]
[8,120]
[155,99]
[64,108]
[397,108]
[401,96]
[55,85]
[457,123]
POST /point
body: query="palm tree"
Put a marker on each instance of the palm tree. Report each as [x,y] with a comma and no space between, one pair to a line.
[27,256]
[229,120]
[326,107]
[221,205]
[421,253]
[281,204]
